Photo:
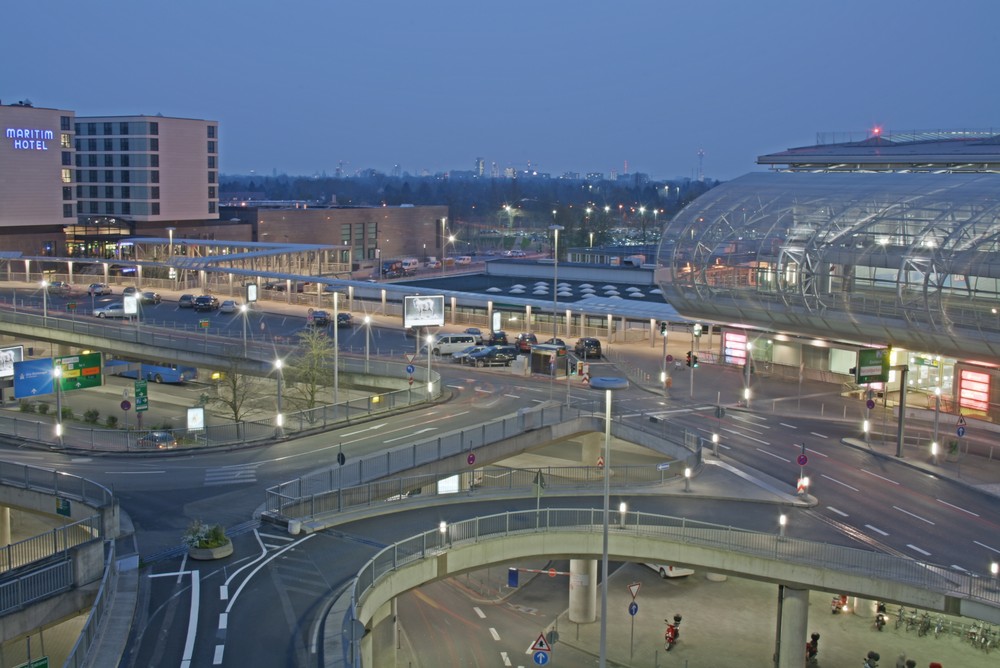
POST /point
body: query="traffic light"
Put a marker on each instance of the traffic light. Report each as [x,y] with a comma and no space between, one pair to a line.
[663,328]
[689,358]
[694,361]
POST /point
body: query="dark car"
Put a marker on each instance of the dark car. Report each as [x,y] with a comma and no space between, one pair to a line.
[161,440]
[318,319]
[524,341]
[206,303]
[587,348]
[185,301]
[494,356]
[556,342]
[497,338]
[345,320]
[150,297]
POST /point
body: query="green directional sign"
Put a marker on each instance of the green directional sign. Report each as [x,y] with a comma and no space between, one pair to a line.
[141,398]
[35,663]
[873,365]
[79,372]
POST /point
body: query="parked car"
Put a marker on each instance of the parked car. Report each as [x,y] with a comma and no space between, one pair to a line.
[185,301]
[668,571]
[588,348]
[476,332]
[556,342]
[345,320]
[161,440]
[150,297]
[494,356]
[449,344]
[130,291]
[59,288]
[524,341]
[497,338]
[319,319]
[112,310]
[99,289]
[229,306]
[206,303]
[463,355]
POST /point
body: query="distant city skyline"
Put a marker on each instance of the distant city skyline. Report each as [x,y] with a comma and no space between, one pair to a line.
[563,86]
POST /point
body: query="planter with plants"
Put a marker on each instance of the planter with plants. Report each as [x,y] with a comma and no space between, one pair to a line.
[207,541]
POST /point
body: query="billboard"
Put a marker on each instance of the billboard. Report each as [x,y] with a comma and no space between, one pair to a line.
[8,357]
[423,311]
[33,378]
[873,365]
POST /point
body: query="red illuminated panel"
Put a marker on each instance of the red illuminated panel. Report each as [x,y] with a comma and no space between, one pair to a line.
[974,390]
[734,347]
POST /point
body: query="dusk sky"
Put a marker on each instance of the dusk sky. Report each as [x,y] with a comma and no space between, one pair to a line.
[563,85]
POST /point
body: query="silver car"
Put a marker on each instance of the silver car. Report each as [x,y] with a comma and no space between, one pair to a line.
[112,310]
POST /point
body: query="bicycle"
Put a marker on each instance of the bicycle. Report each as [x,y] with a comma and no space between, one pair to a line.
[925,625]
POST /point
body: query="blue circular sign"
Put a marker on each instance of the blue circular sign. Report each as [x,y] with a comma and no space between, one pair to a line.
[633,608]
[410,368]
[870,404]
[960,431]
[541,658]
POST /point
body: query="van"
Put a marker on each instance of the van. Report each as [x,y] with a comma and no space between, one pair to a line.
[449,344]
[463,259]
[410,265]
[668,571]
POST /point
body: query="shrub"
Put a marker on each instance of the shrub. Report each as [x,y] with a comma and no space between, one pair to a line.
[111,421]
[67,413]
[26,406]
[205,536]
[91,416]
[43,409]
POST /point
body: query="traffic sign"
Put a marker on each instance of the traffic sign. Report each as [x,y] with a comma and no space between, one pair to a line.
[553,572]
[409,357]
[410,369]
[663,466]
[204,324]
[802,460]
[634,589]
[960,431]
[141,397]
[80,371]
[410,380]
[541,645]
[126,404]
[471,458]
[541,658]
[670,358]
[33,378]
[600,462]
[961,420]
[633,608]
[870,404]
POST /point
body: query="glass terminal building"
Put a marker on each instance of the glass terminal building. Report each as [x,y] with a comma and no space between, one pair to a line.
[872,243]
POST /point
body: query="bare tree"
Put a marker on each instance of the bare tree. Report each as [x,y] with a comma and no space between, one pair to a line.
[310,367]
[235,390]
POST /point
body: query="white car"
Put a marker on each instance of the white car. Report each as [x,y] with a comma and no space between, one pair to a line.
[112,310]
[668,571]
[229,306]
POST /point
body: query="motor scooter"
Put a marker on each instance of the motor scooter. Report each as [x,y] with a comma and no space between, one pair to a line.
[871,661]
[812,650]
[672,634]
[838,604]
[880,616]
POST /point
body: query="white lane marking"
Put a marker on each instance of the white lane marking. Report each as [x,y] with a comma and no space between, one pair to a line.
[986,546]
[773,455]
[132,472]
[913,515]
[192,630]
[749,438]
[839,512]
[512,396]
[81,460]
[756,431]
[479,389]
[959,568]
[506,660]
[816,452]
[790,426]
[272,536]
[223,592]
[482,615]
[456,387]
[917,549]
[410,435]
[223,620]
[878,476]
[219,650]
[374,427]
[631,415]
[493,632]
[183,566]
[877,530]
[951,505]
[818,435]
[823,475]
[261,565]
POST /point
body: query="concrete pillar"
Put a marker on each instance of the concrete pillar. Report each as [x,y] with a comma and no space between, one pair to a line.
[592,447]
[793,611]
[383,637]
[4,526]
[583,591]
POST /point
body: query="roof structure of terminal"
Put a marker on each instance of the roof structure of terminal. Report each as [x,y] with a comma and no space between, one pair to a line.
[938,151]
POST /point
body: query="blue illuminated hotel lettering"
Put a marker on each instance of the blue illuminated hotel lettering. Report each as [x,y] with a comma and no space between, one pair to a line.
[30,139]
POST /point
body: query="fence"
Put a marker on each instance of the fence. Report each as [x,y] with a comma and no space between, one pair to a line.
[39,584]
[59,540]
[102,604]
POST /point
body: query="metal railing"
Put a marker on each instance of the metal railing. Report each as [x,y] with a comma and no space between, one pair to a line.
[60,539]
[39,584]
[102,604]
[770,546]
[54,482]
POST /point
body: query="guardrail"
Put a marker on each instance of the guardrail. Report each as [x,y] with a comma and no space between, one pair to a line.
[54,482]
[340,487]
[102,604]
[837,558]
[59,540]
[37,585]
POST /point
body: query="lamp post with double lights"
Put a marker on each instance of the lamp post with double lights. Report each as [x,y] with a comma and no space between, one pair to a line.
[608,384]
[555,279]
[243,311]
[57,381]
[444,242]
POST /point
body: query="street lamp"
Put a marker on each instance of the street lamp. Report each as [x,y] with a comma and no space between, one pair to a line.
[45,299]
[430,389]
[57,379]
[444,240]
[555,279]
[170,250]
[368,338]
[279,420]
[243,311]
[782,521]
[608,384]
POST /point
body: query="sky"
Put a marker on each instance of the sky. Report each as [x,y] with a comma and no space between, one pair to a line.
[302,86]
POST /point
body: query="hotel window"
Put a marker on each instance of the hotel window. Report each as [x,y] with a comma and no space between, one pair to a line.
[64,123]
[64,141]
[91,128]
[154,176]
[67,192]
[92,160]
[125,161]
[123,144]
[211,177]
[154,161]
[67,158]
[211,207]
[211,192]
[109,192]
[109,207]
[154,128]
[154,193]
[345,234]
[109,144]
[109,160]
[126,192]
[91,144]
[155,208]
[109,176]
[79,160]
[211,147]
[92,206]
[124,176]
[211,132]
[154,144]
[92,192]
[67,176]
[92,173]
[123,128]
[79,192]
[211,162]
[67,210]
[107,128]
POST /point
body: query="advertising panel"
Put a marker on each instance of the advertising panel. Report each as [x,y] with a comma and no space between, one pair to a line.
[8,357]
[423,311]
[33,378]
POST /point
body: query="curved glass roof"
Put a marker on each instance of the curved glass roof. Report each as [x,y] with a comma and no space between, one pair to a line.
[908,259]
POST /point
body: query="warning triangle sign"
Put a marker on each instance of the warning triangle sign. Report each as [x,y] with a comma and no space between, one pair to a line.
[961,420]
[541,645]
[409,357]
[600,462]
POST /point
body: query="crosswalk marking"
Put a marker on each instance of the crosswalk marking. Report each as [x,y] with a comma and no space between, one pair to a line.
[231,475]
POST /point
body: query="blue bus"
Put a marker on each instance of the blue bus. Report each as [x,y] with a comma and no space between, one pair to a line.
[158,373]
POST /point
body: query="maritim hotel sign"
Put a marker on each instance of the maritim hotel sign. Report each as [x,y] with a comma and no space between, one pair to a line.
[29,139]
